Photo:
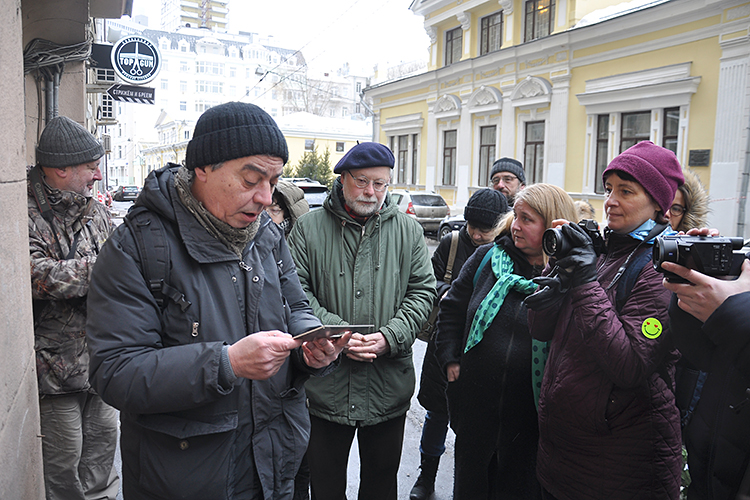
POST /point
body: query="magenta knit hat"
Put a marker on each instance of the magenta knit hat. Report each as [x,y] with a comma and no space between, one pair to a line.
[654,167]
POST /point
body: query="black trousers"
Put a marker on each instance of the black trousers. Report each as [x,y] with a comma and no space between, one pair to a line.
[379,457]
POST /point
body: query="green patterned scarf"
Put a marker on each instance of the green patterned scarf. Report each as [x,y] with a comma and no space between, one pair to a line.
[502,267]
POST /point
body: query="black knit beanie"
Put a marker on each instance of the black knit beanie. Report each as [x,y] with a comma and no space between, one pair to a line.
[234,130]
[65,143]
[511,165]
[485,207]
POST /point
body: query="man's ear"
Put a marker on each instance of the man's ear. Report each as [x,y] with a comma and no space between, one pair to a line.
[200,174]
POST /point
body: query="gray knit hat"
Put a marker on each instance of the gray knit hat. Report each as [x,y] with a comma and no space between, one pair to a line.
[234,130]
[485,207]
[66,143]
[511,165]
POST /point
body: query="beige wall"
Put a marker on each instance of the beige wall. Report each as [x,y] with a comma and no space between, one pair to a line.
[20,460]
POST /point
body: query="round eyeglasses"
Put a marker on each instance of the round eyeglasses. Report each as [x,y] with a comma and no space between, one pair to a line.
[378,185]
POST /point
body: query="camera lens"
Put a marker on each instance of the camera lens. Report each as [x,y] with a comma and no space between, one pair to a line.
[553,242]
[665,250]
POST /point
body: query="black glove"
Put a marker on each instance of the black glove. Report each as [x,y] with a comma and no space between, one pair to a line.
[579,266]
[552,290]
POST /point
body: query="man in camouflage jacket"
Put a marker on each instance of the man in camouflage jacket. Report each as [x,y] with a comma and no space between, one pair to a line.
[67,228]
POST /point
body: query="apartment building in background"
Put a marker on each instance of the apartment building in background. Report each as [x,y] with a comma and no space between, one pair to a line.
[565,86]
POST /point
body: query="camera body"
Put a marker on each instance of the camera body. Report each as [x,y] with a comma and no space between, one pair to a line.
[555,244]
[712,256]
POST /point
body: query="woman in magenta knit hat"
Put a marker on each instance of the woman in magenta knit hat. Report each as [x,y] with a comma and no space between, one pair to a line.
[608,424]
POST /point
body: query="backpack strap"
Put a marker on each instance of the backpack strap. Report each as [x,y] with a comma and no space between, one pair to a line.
[630,276]
[153,251]
[451,258]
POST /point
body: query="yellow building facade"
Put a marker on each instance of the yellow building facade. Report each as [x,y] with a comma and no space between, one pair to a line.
[564,86]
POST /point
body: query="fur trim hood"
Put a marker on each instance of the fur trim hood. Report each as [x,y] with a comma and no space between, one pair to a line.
[696,202]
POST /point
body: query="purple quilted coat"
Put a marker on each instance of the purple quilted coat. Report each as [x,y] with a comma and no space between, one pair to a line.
[608,424]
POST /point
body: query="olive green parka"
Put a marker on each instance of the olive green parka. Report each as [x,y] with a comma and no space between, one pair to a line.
[378,273]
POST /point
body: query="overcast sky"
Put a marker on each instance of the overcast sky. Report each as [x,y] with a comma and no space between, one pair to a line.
[329,32]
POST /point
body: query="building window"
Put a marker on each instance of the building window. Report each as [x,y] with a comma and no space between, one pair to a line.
[183,105]
[486,153]
[453,46]
[414,164]
[108,112]
[635,128]
[602,142]
[534,152]
[492,33]
[183,86]
[186,135]
[232,72]
[540,18]
[402,158]
[184,66]
[309,144]
[344,112]
[449,157]
[164,84]
[339,147]
[358,87]
[671,129]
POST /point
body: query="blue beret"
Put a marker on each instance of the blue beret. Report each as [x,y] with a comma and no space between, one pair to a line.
[365,155]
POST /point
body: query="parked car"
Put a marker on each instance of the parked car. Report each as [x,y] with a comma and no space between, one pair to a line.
[315,192]
[451,223]
[126,193]
[427,208]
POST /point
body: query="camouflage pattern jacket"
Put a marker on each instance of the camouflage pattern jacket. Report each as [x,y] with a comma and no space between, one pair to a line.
[59,284]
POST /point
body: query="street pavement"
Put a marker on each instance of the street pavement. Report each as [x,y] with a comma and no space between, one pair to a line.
[410,457]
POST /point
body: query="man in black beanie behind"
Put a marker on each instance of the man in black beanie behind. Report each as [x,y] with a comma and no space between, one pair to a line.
[194,350]
[508,177]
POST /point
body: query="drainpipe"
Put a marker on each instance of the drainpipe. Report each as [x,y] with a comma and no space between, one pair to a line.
[48,97]
[743,190]
[55,95]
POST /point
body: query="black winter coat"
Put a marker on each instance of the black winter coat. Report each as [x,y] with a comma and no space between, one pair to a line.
[432,381]
[717,438]
[491,405]
[183,434]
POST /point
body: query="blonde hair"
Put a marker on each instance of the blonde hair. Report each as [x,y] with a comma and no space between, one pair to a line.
[549,201]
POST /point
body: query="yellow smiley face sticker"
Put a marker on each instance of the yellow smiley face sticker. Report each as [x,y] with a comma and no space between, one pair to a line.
[651,328]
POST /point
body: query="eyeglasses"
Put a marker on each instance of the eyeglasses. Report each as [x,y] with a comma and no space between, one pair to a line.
[274,209]
[677,209]
[378,185]
[507,179]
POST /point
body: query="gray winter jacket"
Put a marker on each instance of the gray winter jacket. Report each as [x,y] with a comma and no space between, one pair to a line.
[183,434]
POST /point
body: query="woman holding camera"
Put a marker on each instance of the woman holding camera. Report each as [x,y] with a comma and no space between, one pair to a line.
[484,349]
[608,424]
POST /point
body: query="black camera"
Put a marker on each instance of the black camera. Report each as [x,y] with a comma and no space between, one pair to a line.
[712,256]
[556,244]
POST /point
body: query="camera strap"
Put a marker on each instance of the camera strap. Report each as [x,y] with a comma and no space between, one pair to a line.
[655,231]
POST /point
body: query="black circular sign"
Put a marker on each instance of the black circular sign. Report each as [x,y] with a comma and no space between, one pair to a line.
[136,59]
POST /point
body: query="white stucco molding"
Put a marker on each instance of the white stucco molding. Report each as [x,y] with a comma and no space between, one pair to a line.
[485,100]
[532,92]
[664,87]
[401,125]
[507,6]
[432,33]
[465,19]
[447,106]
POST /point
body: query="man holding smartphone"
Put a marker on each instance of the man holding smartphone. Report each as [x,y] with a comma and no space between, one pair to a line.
[360,260]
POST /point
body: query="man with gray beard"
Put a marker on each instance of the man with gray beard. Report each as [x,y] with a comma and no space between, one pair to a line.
[361,261]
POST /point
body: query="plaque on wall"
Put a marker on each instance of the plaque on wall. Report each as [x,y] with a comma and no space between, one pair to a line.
[699,158]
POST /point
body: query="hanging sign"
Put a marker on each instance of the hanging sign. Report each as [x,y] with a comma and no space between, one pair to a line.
[136,59]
